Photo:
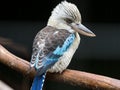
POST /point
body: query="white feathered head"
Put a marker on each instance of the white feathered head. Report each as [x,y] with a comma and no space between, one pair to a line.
[67,16]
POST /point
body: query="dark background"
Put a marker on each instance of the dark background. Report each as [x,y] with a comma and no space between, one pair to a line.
[92,11]
[20,21]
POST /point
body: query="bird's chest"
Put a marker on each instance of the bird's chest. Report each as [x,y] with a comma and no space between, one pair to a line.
[65,59]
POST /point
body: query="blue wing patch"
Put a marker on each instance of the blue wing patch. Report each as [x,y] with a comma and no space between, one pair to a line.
[54,56]
[60,50]
[47,62]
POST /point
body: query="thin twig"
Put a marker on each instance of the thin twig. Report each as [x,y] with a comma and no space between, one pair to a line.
[72,77]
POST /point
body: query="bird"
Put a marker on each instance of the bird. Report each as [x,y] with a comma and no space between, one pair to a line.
[55,44]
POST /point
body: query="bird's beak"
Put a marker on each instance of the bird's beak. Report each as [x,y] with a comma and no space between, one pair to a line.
[82,30]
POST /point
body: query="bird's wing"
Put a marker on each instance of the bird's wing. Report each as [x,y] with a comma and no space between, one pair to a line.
[49,44]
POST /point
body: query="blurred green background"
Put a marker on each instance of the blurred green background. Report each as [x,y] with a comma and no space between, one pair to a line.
[20,21]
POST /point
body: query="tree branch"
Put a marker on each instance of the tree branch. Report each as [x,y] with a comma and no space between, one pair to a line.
[72,77]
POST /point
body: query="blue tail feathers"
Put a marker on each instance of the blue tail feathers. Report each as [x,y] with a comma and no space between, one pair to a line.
[38,82]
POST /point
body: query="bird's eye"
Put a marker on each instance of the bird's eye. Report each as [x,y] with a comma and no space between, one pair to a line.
[68,20]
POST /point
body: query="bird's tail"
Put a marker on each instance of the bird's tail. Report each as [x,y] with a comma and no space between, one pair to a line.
[38,82]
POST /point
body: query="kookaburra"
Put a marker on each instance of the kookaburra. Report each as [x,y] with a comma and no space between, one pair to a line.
[55,45]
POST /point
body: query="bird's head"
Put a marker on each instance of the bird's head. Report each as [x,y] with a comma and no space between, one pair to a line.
[67,16]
